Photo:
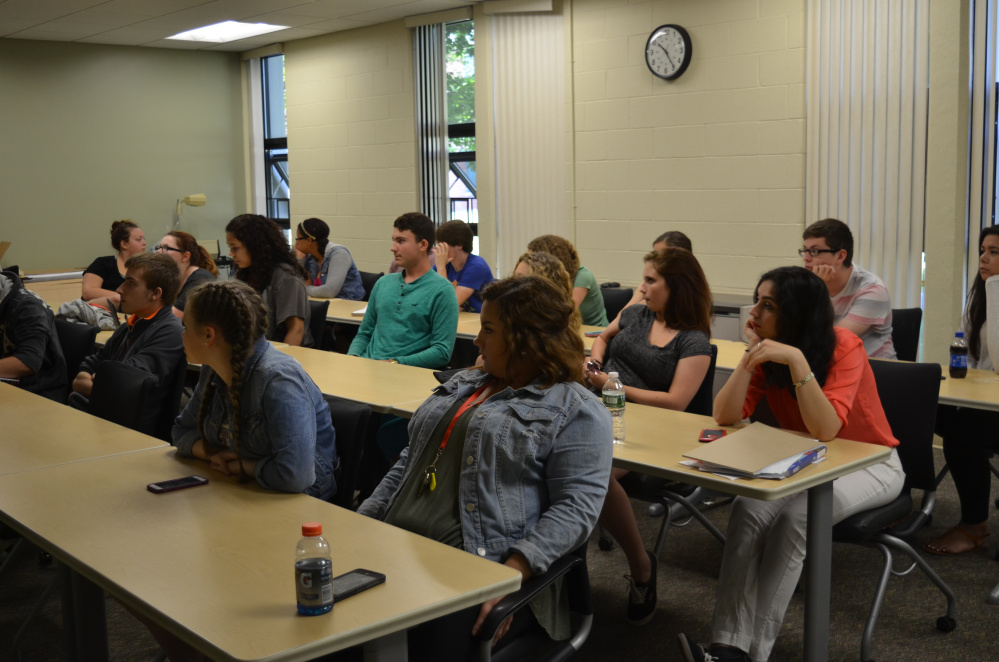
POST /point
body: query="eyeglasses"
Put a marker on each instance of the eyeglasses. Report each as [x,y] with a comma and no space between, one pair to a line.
[300,238]
[815,252]
[159,248]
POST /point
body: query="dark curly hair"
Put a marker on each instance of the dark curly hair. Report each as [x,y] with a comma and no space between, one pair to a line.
[267,248]
[537,325]
[804,320]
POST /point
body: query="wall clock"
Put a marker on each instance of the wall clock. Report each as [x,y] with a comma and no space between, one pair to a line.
[668,51]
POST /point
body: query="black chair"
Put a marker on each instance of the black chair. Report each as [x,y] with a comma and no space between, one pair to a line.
[535,644]
[351,422]
[317,322]
[77,342]
[908,393]
[615,299]
[120,393]
[368,280]
[171,407]
[905,323]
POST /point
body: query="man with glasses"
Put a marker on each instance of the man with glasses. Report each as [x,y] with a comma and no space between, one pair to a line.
[861,302]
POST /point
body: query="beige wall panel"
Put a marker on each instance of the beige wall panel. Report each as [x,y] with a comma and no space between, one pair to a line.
[351,135]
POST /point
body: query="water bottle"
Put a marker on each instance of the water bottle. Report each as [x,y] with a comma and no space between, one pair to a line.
[313,572]
[959,357]
[613,397]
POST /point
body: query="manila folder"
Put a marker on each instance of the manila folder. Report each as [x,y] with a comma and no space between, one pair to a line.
[752,448]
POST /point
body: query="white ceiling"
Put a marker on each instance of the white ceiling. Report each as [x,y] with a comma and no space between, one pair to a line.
[149,22]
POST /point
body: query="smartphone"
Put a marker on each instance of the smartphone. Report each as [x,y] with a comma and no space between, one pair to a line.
[355,581]
[710,434]
[592,334]
[592,366]
[165,486]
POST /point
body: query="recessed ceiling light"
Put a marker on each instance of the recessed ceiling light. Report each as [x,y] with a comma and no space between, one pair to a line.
[226,31]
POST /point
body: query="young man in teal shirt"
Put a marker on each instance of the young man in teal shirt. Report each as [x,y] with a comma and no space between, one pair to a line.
[412,316]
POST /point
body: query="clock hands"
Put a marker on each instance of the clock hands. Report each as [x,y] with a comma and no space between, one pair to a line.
[667,55]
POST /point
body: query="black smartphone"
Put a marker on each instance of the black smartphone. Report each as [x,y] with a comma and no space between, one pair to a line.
[165,486]
[709,434]
[355,581]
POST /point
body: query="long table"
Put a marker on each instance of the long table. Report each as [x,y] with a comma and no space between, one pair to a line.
[213,564]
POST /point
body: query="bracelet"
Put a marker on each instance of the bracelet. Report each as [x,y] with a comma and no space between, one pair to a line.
[804,380]
[393,360]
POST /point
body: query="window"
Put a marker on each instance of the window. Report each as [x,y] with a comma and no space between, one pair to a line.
[275,140]
[459,63]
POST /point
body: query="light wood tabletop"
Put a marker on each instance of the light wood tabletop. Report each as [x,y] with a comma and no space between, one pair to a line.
[213,564]
[38,432]
[376,383]
[342,310]
[656,439]
[979,390]
[57,292]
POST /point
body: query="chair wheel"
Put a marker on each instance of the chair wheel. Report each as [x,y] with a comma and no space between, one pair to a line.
[946,624]
[606,543]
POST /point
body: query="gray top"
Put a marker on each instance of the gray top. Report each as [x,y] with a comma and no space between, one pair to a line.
[197,278]
[285,297]
[644,365]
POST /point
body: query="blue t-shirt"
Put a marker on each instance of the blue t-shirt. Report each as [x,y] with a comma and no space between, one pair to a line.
[476,274]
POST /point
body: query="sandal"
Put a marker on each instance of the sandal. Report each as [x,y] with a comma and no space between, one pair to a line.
[934,546]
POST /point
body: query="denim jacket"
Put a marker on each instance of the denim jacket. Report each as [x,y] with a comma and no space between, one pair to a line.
[285,424]
[536,471]
[344,284]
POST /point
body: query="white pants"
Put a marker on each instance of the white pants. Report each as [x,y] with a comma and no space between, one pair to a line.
[764,552]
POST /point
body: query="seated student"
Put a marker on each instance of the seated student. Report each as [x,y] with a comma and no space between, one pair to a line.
[255,411]
[969,435]
[195,264]
[151,340]
[264,261]
[860,299]
[672,238]
[550,268]
[662,352]
[817,380]
[585,291]
[454,260]
[29,345]
[105,274]
[539,480]
[412,316]
[331,269]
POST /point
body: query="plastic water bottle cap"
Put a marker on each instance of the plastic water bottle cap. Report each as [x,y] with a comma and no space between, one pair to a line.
[612,375]
[312,529]
[959,334]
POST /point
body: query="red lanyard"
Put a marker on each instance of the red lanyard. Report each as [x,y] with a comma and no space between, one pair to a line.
[430,476]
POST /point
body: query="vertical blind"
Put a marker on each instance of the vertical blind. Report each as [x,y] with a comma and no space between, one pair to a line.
[868,70]
[529,127]
[431,121]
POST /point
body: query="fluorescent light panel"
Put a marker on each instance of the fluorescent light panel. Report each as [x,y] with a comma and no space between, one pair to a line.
[227,31]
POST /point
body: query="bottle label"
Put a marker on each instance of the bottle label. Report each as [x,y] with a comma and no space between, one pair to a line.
[613,400]
[958,360]
[314,582]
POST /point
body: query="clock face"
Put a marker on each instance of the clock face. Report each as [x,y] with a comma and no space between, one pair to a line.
[668,51]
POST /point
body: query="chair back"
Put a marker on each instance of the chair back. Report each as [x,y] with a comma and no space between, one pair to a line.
[615,299]
[905,324]
[171,406]
[120,393]
[704,398]
[77,342]
[350,421]
[317,322]
[909,393]
[368,280]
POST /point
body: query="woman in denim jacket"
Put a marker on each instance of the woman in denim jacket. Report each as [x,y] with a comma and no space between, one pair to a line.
[255,412]
[520,450]
[331,269]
